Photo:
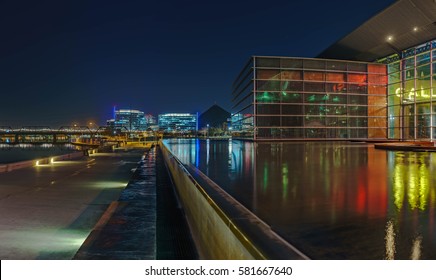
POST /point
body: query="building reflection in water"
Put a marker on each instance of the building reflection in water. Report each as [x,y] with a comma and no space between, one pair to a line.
[333,200]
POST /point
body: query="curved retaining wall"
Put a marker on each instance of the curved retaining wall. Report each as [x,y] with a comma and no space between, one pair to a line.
[222,228]
[28,163]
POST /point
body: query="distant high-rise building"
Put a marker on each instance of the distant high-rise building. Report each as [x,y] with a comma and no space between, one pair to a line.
[131,120]
[178,122]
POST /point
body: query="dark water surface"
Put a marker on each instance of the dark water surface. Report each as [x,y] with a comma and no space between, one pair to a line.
[332,200]
[14,153]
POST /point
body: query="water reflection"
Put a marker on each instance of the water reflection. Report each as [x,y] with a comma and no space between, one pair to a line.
[412,178]
[331,200]
[20,152]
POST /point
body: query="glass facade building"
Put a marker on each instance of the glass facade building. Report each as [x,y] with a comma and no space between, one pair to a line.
[131,120]
[412,93]
[178,122]
[297,98]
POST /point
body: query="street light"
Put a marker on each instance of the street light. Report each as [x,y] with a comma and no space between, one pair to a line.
[207,132]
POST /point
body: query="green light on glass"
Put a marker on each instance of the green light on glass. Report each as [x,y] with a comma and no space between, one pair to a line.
[285,180]
[265,176]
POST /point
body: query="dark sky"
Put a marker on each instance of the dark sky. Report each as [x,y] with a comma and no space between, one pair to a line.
[65,62]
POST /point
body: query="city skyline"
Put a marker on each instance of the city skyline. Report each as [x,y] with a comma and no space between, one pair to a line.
[71,62]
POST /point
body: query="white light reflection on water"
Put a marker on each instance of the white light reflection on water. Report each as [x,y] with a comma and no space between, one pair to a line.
[390,241]
[23,152]
[416,249]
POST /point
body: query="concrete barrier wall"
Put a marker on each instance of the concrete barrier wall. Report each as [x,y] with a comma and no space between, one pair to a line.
[222,228]
[28,163]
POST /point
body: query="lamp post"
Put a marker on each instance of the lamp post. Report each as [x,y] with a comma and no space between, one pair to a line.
[207,131]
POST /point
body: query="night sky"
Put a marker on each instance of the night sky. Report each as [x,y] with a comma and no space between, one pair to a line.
[65,62]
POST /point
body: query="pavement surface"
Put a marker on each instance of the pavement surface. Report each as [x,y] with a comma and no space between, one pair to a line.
[145,223]
[46,212]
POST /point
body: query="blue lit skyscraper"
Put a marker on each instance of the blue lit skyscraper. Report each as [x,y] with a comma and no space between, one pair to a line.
[178,122]
[131,120]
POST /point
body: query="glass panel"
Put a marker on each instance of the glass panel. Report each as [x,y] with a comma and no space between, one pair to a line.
[292,132]
[409,74]
[314,98]
[394,111]
[395,89]
[357,78]
[409,121]
[314,110]
[376,111]
[268,97]
[267,74]
[409,63]
[377,79]
[314,121]
[268,85]
[337,99]
[376,100]
[264,133]
[313,76]
[423,59]
[336,65]
[423,108]
[338,87]
[358,133]
[335,77]
[377,68]
[423,71]
[314,87]
[357,67]
[267,62]
[292,109]
[292,121]
[423,94]
[423,132]
[313,64]
[354,88]
[268,121]
[357,110]
[336,110]
[357,99]
[291,63]
[292,97]
[409,85]
[377,89]
[315,132]
[394,99]
[292,86]
[269,109]
[394,77]
[358,122]
[394,67]
[291,75]
[336,121]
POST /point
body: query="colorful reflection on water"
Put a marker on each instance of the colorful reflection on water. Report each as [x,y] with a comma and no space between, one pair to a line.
[332,200]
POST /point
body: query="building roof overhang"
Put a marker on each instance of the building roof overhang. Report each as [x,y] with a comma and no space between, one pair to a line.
[402,25]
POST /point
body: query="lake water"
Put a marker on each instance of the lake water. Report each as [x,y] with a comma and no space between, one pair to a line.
[22,152]
[332,200]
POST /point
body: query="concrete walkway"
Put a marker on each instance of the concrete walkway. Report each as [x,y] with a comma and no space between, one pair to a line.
[144,223]
[47,211]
